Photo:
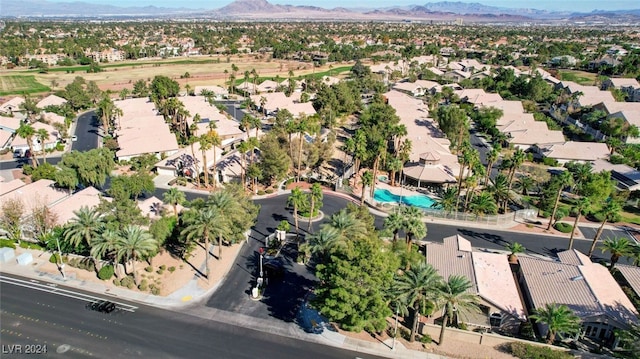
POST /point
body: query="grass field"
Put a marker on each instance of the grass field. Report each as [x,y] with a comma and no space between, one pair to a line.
[581,77]
[20,84]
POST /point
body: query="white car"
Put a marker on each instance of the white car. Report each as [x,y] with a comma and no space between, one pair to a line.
[74,138]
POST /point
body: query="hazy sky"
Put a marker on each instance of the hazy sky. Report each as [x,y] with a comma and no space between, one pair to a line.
[570,5]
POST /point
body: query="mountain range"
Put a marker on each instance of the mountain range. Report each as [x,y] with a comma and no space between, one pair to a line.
[263,10]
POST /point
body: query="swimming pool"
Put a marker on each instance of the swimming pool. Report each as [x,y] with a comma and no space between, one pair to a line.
[423,201]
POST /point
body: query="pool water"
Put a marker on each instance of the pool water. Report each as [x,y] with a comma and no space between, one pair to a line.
[423,201]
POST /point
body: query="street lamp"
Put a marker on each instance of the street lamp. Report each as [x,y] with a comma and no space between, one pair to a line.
[261,273]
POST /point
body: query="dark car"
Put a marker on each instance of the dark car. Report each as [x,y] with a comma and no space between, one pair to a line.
[103,306]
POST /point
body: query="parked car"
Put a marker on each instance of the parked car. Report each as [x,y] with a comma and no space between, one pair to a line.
[103,306]
[74,138]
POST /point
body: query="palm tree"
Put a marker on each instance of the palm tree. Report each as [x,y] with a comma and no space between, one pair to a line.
[104,245]
[367,180]
[203,224]
[322,243]
[303,125]
[86,225]
[347,225]
[413,226]
[228,207]
[609,212]
[395,166]
[492,157]
[500,190]
[514,248]
[465,159]
[215,141]
[174,197]
[27,132]
[394,223]
[558,318]
[417,288]
[255,123]
[42,135]
[205,145]
[579,208]
[455,301]
[516,160]
[448,200]
[483,203]
[134,243]
[618,247]
[314,197]
[106,109]
[243,147]
[562,180]
[525,184]
[298,200]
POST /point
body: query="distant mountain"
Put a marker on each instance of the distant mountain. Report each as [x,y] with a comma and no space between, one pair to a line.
[263,10]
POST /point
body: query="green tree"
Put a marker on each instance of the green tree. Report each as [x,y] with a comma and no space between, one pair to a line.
[162,87]
[514,248]
[367,179]
[203,224]
[86,224]
[132,244]
[93,167]
[483,203]
[456,302]
[394,222]
[66,177]
[11,213]
[610,211]
[618,247]
[27,132]
[104,245]
[558,318]
[579,208]
[299,201]
[315,198]
[42,135]
[174,197]
[417,289]
[448,200]
[324,242]
[414,227]
[559,181]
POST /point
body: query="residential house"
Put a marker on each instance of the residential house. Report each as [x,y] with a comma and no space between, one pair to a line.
[51,100]
[456,75]
[141,130]
[629,112]
[630,86]
[7,187]
[219,93]
[20,144]
[576,151]
[587,288]
[627,178]
[631,276]
[64,210]
[490,277]
[36,194]
[268,86]
[276,101]
[12,106]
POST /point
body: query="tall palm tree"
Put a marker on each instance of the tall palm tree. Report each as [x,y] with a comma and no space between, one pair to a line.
[618,247]
[27,132]
[562,180]
[43,135]
[243,147]
[417,288]
[413,226]
[215,141]
[227,207]
[106,109]
[104,245]
[516,161]
[314,197]
[298,200]
[303,126]
[500,190]
[394,222]
[205,145]
[492,157]
[525,184]
[367,180]
[174,197]
[86,225]
[483,203]
[134,243]
[579,208]
[465,159]
[255,123]
[203,224]
[347,225]
[456,301]
[448,200]
[558,318]
[609,212]
[394,165]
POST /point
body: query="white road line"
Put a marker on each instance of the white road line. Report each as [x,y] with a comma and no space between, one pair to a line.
[52,288]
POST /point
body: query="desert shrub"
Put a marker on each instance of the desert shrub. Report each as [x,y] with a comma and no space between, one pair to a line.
[116,282]
[155,291]
[148,269]
[405,333]
[143,286]
[163,267]
[563,227]
[127,282]
[9,243]
[425,338]
[261,192]
[269,191]
[550,162]
[106,272]
[55,258]
[172,269]
[160,271]
[528,351]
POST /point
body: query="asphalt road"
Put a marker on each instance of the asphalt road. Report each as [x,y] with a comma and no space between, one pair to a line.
[283,296]
[62,322]
[87,132]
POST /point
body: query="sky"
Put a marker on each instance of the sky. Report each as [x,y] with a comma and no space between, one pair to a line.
[553,5]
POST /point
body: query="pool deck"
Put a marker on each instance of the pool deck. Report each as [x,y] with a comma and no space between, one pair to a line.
[402,191]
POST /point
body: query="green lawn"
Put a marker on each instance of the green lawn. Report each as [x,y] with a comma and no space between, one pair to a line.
[333,72]
[581,77]
[84,68]
[20,84]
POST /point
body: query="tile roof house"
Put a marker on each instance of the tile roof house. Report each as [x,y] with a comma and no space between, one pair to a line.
[64,210]
[478,97]
[20,143]
[631,275]
[491,279]
[142,130]
[276,101]
[587,288]
[219,92]
[576,151]
[41,192]
[627,178]
[629,85]
[8,126]
[51,100]
[11,106]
